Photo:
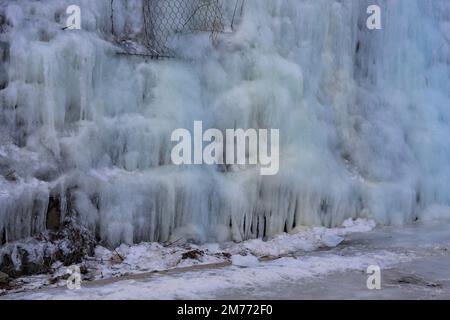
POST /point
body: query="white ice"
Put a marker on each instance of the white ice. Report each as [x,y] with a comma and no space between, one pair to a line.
[364,118]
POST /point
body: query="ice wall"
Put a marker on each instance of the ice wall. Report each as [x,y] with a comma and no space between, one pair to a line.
[364,119]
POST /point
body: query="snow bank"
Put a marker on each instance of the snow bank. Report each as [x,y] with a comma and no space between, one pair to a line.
[303,239]
[436,213]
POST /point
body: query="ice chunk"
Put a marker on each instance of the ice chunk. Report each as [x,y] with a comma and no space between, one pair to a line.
[244,261]
[331,239]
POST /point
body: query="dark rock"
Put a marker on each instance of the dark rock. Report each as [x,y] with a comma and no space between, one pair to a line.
[4,51]
[54,214]
[193,254]
[36,255]
[414,280]
[11,176]
[225,255]
[74,243]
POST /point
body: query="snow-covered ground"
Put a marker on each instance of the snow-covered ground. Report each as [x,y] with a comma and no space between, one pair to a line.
[413,262]
[153,257]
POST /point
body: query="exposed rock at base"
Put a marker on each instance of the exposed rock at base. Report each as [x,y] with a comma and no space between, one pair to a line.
[193,254]
[53,222]
[37,255]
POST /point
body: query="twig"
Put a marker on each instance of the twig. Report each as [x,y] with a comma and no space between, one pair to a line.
[145,55]
[234,14]
[118,254]
[112,18]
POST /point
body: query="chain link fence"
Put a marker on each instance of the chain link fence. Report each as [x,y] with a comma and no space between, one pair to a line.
[163,20]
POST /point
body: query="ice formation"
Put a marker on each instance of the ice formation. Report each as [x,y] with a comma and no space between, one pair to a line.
[363,118]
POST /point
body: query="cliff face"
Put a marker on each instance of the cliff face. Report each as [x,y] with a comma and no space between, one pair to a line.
[363,118]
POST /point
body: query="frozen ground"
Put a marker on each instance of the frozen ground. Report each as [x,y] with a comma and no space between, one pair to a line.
[142,259]
[421,272]
[415,264]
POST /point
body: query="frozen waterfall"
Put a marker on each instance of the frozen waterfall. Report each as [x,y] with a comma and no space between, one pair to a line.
[364,119]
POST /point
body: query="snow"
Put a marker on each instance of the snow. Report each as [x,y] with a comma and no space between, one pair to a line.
[436,213]
[244,261]
[202,285]
[147,258]
[303,239]
[339,271]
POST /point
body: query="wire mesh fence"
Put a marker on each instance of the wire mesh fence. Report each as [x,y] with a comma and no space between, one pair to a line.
[163,20]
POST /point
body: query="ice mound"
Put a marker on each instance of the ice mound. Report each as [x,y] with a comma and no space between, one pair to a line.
[363,117]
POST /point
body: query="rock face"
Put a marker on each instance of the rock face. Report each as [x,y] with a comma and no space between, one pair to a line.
[36,255]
